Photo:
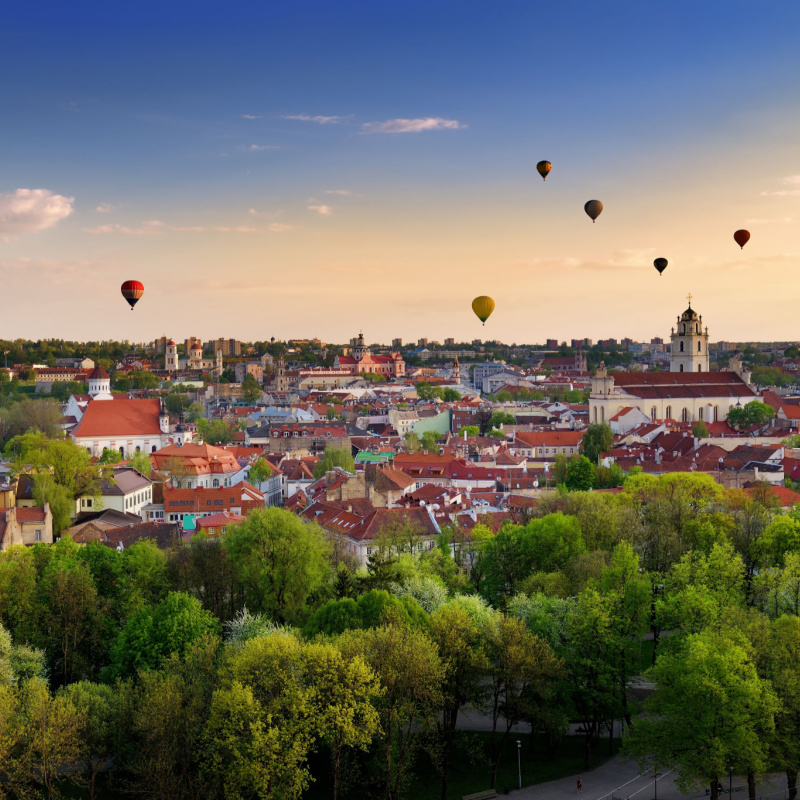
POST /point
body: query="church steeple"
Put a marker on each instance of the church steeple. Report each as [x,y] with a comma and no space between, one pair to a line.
[456,376]
[689,343]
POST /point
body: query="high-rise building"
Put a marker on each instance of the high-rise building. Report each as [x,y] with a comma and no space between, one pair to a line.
[160,345]
[187,344]
[422,343]
[229,347]
[552,344]
[397,343]
[449,342]
[656,340]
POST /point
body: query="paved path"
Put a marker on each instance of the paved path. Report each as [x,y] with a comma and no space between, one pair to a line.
[621,778]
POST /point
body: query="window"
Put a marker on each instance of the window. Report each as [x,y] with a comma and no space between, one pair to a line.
[716,413]
[685,416]
[700,413]
[699,367]
[154,449]
[38,535]
[369,551]
[215,483]
[681,347]
[669,412]
[653,412]
[681,367]
[699,348]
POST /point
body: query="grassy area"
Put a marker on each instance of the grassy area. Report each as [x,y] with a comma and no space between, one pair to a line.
[470,771]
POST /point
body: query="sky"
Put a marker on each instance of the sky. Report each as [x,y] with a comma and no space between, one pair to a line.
[316,169]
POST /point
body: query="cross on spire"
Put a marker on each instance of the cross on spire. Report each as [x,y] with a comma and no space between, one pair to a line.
[690,299]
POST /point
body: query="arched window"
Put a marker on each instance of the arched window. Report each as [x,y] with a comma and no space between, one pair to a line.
[153,449]
[602,414]
[669,412]
[700,413]
[699,347]
[138,449]
[215,483]
[697,328]
[653,412]
[716,413]
[685,415]
[699,367]
[680,366]
[595,418]
[122,452]
[681,347]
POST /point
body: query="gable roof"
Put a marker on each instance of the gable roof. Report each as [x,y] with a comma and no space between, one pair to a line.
[120,417]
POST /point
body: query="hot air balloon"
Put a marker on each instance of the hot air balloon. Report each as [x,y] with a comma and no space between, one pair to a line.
[741,238]
[132,291]
[593,208]
[483,307]
[543,168]
[660,264]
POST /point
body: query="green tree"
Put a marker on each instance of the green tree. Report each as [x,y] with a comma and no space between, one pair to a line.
[154,634]
[598,439]
[500,418]
[580,474]
[251,390]
[410,673]
[450,395]
[700,430]
[430,441]
[713,682]
[109,456]
[412,442]
[140,461]
[195,411]
[753,413]
[259,472]
[214,431]
[280,560]
[332,458]
[61,502]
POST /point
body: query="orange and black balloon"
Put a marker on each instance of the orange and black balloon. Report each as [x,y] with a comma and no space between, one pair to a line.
[593,208]
[543,168]
[741,237]
[132,291]
[660,264]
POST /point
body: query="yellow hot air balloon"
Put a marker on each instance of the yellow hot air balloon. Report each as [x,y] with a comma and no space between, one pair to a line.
[593,208]
[543,168]
[483,307]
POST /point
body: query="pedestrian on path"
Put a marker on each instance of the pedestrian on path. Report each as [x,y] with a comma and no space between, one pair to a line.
[580,784]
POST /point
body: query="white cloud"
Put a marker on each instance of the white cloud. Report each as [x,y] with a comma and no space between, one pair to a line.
[105,208]
[252,116]
[29,210]
[319,119]
[792,180]
[252,148]
[782,193]
[343,192]
[154,227]
[280,227]
[326,211]
[412,125]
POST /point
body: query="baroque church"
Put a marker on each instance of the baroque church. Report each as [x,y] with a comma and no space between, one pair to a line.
[687,393]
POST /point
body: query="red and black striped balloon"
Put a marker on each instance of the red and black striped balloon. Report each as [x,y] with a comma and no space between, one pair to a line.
[132,291]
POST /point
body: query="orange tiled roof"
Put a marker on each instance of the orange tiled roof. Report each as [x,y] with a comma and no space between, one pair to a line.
[120,417]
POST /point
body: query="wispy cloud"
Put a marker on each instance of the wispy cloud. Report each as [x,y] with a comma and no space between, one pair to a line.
[252,116]
[789,180]
[155,227]
[412,125]
[253,148]
[105,208]
[319,119]
[280,227]
[325,211]
[30,210]
[343,192]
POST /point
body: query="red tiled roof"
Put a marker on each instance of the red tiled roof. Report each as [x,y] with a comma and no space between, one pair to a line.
[548,438]
[120,417]
[34,514]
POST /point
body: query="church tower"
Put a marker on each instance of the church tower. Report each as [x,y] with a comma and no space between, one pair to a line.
[359,348]
[171,357]
[456,376]
[689,343]
[100,384]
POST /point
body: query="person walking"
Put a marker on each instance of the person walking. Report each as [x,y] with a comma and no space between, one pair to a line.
[580,785]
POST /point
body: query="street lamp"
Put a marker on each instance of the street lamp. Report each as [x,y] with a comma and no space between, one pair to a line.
[730,780]
[519,761]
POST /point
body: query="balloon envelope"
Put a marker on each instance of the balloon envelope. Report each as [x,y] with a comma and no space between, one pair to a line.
[741,237]
[660,264]
[593,208]
[543,168]
[132,291]
[483,307]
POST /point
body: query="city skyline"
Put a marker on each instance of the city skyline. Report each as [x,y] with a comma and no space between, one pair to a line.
[270,172]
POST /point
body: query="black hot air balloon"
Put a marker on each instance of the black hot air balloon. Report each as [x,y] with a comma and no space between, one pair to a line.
[132,291]
[593,208]
[660,264]
[543,168]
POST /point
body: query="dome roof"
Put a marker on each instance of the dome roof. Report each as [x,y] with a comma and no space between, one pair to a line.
[689,315]
[98,374]
[197,346]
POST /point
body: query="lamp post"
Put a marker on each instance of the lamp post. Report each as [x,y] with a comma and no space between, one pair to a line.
[730,780]
[519,761]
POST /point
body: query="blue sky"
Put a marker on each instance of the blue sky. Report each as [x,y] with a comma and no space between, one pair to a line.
[331,167]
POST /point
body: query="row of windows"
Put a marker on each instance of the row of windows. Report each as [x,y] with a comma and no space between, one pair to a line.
[699,347]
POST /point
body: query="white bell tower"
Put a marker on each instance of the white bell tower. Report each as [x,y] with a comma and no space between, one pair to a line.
[689,343]
[171,357]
